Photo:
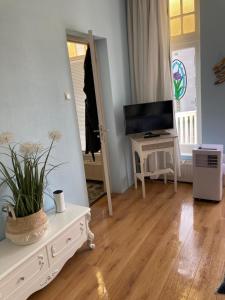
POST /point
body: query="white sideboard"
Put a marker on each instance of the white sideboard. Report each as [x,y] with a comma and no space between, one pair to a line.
[27,269]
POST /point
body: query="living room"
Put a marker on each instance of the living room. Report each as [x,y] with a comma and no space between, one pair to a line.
[148,237]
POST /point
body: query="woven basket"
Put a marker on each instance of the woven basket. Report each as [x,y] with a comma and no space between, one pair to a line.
[26,230]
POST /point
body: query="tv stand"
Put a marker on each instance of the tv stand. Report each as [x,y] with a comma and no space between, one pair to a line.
[148,147]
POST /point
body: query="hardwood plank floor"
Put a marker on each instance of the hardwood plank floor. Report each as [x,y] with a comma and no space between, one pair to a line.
[165,247]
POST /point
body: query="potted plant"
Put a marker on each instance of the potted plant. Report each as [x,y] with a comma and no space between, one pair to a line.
[25,174]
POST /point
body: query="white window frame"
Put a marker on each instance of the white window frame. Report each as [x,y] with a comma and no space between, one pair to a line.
[189,40]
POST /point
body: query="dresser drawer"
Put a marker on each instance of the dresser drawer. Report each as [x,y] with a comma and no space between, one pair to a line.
[75,234]
[20,277]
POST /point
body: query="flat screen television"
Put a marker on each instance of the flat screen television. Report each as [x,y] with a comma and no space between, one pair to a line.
[147,117]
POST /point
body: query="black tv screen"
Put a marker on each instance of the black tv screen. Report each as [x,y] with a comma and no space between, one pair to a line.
[146,117]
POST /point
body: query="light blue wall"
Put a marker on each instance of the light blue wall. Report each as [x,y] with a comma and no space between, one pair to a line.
[212,51]
[34,74]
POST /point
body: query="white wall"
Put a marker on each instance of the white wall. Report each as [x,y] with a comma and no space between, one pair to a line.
[34,73]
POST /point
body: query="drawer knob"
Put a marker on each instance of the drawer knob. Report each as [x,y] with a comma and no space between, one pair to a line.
[53,251]
[41,264]
[21,279]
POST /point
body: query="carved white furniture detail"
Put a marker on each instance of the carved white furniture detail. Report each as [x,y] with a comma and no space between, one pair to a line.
[145,147]
[27,269]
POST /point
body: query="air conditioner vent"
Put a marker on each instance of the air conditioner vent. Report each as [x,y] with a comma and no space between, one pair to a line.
[206,161]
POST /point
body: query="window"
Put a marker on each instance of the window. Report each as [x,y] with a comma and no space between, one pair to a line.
[184,78]
[77,55]
[184,84]
[182,17]
[184,31]
[75,49]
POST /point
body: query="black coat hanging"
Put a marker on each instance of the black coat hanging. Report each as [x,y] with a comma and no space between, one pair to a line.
[93,143]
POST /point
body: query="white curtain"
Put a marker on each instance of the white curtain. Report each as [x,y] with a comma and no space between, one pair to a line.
[149,51]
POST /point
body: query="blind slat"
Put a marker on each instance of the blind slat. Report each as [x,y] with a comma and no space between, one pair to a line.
[77,71]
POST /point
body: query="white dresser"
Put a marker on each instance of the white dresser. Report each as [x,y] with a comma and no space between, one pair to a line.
[26,269]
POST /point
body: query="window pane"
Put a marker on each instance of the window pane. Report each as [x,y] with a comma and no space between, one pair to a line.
[184,73]
[189,23]
[185,93]
[188,6]
[175,26]
[81,49]
[77,71]
[175,8]
[71,49]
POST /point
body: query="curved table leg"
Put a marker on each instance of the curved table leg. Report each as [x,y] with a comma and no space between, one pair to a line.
[90,234]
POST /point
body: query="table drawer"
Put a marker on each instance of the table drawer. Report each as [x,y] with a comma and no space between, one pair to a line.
[75,233]
[161,145]
[31,268]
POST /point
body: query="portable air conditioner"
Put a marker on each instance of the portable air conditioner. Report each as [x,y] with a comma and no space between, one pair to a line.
[207,172]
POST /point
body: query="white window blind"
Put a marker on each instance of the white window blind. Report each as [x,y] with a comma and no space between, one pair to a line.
[77,70]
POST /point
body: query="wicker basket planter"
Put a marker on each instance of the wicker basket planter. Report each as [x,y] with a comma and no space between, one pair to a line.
[26,230]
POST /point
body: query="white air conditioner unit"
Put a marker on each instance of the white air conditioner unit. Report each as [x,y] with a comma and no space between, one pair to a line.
[207,172]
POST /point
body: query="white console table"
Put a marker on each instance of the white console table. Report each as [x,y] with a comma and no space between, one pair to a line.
[27,269]
[145,147]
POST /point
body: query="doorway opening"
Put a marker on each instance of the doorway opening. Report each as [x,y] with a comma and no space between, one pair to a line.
[93,162]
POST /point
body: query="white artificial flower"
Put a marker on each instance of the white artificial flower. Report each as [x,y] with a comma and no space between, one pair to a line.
[55,135]
[30,148]
[38,147]
[6,138]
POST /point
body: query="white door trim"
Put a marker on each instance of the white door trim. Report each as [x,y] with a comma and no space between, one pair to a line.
[101,118]
[89,40]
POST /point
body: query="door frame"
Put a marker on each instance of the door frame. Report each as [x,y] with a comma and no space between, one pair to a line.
[89,40]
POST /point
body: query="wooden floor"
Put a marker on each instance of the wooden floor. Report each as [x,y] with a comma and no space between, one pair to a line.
[164,247]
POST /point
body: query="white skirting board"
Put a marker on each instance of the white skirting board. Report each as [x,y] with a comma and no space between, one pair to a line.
[187,172]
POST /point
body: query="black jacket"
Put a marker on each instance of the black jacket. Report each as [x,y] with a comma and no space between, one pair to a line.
[93,143]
